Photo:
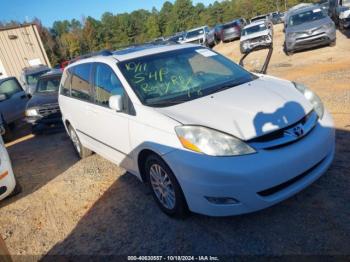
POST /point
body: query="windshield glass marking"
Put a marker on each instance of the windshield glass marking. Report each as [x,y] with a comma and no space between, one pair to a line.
[181,75]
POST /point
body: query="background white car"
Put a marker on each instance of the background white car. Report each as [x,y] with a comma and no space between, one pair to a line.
[7,178]
[196,36]
[255,35]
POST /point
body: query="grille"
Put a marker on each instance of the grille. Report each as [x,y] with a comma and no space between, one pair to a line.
[308,36]
[49,109]
[284,136]
[258,39]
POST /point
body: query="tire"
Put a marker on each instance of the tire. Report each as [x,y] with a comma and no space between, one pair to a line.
[333,43]
[162,181]
[242,50]
[17,190]
[9,135]
[82,151]
[288,53]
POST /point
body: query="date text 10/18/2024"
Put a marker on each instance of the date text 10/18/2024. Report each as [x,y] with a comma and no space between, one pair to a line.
[173,258]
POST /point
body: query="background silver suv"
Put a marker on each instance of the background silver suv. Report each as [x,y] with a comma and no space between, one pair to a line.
[308,27]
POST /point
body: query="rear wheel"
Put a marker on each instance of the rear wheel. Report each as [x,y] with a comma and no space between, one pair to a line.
[82,151]
[8,136]
[164,186]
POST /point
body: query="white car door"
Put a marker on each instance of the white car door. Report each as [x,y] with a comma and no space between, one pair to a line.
[76,103]
[110,129]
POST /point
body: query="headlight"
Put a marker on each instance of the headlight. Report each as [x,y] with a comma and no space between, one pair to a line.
[328,26]
[312,98]
[246,45]
[211,142]
[31,112]
[292,35]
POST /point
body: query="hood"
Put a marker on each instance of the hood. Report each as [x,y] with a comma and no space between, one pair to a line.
[257,34]
[39,99]
[308,26]
[246,111]
[345,13]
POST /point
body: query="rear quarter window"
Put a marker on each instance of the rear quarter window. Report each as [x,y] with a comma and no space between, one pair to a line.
[81,82]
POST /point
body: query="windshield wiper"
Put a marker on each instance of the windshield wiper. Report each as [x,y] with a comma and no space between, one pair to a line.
[167,103]
[227,86]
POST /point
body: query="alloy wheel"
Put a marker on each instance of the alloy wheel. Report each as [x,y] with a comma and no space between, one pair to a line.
[162,186]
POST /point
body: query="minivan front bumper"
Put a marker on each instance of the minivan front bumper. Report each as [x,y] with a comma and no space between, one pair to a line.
[254,181]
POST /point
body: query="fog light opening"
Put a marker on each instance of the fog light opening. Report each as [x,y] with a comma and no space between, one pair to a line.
[222,200]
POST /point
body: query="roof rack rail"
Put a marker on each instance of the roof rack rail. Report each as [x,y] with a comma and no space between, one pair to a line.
[93,54]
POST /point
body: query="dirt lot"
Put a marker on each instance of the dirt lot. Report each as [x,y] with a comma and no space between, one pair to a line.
[92,207]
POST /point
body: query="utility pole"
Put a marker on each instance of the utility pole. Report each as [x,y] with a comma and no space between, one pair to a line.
[285,5]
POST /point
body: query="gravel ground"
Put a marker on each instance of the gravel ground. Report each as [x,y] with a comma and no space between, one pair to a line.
[91,207]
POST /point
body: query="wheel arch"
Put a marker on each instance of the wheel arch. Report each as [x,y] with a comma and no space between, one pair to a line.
[141,159]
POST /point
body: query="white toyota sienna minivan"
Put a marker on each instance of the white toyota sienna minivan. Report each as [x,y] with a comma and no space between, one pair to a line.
[204,133]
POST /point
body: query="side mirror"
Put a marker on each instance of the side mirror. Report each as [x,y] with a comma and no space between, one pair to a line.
[3,97]
[116,103]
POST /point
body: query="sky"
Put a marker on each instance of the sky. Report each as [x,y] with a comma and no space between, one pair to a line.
[49,11]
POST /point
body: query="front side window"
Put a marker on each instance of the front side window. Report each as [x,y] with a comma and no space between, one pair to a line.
[80,85]
[48,85]
[254,29]
[10,87]
[306,17]
[182,75]
[106,84]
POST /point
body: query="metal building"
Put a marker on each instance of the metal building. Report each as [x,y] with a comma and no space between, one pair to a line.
[20,47]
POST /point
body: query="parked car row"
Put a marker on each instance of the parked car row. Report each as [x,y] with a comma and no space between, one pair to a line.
[39,107]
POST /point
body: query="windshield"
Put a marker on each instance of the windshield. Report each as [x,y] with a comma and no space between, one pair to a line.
[32,79]
[195,33]
[346,3]
[48,84]
[182,75]
[258,18]
[254,29]
[306,17]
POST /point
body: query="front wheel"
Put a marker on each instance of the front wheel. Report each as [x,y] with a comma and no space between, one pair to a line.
[165,189]
[82,151]
[333,43]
